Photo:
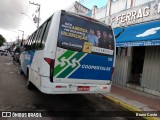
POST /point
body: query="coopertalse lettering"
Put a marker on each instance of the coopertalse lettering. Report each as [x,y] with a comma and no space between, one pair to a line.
[91,67]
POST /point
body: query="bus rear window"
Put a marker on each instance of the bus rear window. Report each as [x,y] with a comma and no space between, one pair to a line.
[79,34]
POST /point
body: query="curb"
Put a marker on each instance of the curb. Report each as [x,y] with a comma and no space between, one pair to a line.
[128,107]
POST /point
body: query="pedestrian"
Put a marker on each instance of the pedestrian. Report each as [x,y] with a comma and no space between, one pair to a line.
[92,38]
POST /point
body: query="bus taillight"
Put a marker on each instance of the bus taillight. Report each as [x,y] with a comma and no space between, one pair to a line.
[51,64]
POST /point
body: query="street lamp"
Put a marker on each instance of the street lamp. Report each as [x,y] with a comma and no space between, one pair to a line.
[28,17]
[39,7]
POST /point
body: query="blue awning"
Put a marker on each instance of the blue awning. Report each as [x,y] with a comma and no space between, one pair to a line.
[144,34]
[118,31]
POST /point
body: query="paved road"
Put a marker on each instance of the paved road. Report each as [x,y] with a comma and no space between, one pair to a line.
[15,96]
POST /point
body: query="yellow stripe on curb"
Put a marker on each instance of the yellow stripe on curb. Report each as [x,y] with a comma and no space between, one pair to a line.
[128,107]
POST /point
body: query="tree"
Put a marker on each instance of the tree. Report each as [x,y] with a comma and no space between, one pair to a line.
[2,40]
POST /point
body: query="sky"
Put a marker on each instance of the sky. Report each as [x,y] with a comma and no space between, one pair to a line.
[12,20]
[90,3]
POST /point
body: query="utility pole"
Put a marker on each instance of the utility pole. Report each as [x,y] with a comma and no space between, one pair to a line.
[110,5]
[39,7]
[22,36]
[131,4]
[105,13]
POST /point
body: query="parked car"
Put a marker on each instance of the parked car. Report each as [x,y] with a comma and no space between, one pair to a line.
[4,52]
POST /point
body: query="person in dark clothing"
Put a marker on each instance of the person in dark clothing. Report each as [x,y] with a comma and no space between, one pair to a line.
[103,41]
[111,41]
[99,36]
[106,41]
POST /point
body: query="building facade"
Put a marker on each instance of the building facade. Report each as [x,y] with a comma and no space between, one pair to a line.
[76,7]
[136,25]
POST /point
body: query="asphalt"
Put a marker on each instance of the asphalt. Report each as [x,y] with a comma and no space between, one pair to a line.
[14,96]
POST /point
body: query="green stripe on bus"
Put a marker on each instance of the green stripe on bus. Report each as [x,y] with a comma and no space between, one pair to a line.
[66,55]
[72,66]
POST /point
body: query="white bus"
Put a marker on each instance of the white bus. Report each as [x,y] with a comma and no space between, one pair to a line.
[70,53]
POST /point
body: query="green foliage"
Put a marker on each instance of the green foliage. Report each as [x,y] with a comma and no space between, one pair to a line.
[2,40]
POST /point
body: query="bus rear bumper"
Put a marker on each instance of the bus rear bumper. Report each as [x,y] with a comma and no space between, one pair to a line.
[72,88]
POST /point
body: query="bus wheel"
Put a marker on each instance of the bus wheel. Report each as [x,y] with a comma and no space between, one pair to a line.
[21,71]
[30,86]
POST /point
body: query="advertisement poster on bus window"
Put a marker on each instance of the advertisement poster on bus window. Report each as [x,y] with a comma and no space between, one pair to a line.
[86,36]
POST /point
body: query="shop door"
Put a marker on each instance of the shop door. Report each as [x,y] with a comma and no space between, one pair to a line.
[137,64]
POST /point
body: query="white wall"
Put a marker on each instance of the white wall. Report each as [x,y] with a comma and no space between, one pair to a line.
[100,13]
[121,5]
[140,2]
[77,8]
[118,6]
[71,8]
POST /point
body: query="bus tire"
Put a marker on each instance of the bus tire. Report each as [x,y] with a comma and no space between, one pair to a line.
[30,86]
[21,72]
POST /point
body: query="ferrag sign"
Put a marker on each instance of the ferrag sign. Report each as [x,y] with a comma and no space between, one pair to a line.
[86,36]
[146,12]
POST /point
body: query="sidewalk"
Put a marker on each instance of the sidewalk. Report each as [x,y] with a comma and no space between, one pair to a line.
[133,100]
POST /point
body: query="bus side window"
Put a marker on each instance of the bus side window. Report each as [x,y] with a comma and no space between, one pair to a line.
[33,40]
[26,46]
[29,42]
[45,34]
[41,35]
[38,39]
